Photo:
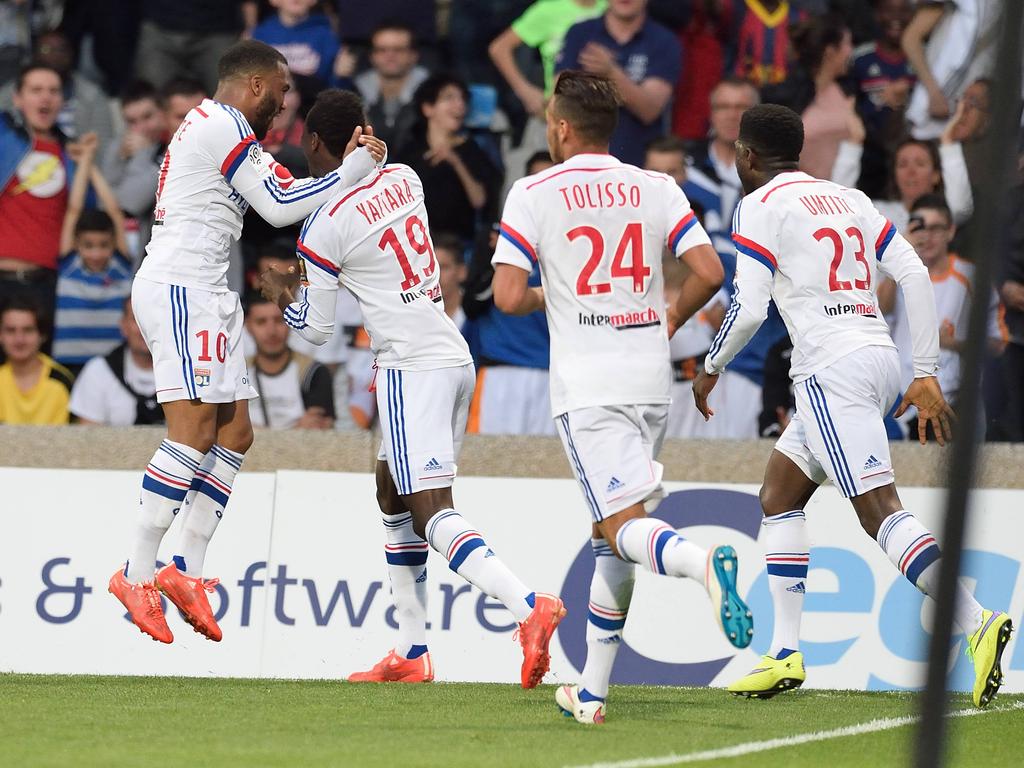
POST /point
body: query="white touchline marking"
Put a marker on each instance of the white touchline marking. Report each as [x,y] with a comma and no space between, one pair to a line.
[872,726]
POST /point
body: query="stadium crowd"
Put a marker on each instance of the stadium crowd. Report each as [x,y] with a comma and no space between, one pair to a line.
[894,94]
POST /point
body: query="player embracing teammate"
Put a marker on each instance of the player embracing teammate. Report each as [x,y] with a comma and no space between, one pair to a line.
[214,169]
[598,227]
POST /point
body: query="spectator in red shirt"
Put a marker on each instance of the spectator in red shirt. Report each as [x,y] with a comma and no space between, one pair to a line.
[34,176]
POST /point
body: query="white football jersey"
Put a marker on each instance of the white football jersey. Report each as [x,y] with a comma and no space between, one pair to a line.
[375,240]
[953,292]
[213,170]
[817,248]
[599,227]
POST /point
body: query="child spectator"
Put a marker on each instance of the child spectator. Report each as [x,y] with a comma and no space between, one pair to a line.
[295,390]
[304,38]
[119,389]
[758,38]
[94,276]
[33,388]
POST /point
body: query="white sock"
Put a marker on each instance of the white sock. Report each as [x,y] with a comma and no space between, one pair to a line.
[406,556]
[211,489]
[611,590]
[469,556]
[650,542]
[787,554]
[167,480]
[913,550]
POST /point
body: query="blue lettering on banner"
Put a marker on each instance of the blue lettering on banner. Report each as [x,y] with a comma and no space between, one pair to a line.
[355,618]
[248,583]
[281,581]
[484,604]
[726,509]
[449,594]
[79,590]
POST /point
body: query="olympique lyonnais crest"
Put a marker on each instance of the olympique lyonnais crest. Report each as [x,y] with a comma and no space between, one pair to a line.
[202,377]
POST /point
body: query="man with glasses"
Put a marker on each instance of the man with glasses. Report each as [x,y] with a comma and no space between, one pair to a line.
[388,87]
[931,231]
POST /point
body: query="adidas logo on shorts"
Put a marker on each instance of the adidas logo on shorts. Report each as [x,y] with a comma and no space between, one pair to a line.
[614,485]
[798,587]
[432,466]
[872,463]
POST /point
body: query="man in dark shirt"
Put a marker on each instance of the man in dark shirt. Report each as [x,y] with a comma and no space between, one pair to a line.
[641,57]
[185,38]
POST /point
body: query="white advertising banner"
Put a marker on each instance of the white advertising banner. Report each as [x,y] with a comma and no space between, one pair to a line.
[304,591]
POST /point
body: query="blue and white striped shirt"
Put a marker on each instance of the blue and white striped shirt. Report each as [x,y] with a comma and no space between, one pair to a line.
[89,308]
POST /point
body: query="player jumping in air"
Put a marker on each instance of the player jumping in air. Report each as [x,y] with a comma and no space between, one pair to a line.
[375,241]
[817,249]
[598,228]
[214,169]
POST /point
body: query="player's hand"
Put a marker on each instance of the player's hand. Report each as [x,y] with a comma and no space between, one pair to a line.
[926,395]
[702,387]
[364,138]
[274,285]
[597,59]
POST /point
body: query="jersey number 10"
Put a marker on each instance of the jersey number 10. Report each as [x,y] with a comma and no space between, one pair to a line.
[418,239]
[834,283]
[631,242]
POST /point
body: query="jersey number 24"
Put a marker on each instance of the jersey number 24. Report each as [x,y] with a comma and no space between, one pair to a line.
[631,243]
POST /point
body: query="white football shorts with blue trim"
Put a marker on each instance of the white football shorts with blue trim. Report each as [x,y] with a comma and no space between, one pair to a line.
[612,450]
[838,431]
[195,337]
[423,418]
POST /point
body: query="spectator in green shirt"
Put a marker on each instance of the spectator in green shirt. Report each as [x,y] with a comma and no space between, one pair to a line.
[542,26]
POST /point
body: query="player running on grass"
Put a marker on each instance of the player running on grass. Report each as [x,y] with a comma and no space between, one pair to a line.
[598,227]
[375,241]
[817,248]
[214,169]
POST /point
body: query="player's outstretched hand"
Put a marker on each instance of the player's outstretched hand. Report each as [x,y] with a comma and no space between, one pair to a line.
[276,286]
[702,387]
[926,395]
[364,138]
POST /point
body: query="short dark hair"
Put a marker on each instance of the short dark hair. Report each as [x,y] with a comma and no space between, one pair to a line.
[252,299]
[27,303]
[139,90]
[334,116]
[542,156]
[248,57]
[933,202]
[589,103]
[773,131]
[668,143]
[394,25]
[277,249]
[448,241]
[180,86]
[735,81]
[430,89]
[94,220]
[28,69]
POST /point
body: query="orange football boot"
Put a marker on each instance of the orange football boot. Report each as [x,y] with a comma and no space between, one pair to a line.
[395,669]
[189,595]
[142,601]
[535,634]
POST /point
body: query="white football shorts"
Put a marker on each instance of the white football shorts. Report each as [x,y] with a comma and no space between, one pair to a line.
[195,337]
[838,431]
[423,420]
[612,451]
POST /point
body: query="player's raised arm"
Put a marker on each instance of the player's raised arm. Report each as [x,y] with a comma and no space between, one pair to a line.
[514,257]
[690,243]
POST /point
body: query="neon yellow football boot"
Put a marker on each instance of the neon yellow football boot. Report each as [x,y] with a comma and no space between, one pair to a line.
[771,676]
[985,647]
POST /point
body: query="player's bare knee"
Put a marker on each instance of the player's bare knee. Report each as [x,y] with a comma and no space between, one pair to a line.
[237,440]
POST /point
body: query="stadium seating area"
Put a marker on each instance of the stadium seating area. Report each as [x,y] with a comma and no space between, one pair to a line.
[457,89]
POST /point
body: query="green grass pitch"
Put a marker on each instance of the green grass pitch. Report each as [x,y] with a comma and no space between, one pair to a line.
[113,721]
